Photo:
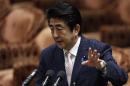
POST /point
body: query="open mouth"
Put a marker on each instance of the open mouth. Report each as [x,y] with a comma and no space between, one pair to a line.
[59,42]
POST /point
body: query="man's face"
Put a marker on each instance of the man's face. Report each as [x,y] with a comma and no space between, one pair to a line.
[61,33]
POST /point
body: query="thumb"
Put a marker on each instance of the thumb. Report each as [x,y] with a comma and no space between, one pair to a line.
[85,62]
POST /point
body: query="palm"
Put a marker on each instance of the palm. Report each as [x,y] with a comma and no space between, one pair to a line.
[93,58]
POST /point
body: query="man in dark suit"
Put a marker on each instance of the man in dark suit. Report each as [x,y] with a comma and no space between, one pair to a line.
[91,61]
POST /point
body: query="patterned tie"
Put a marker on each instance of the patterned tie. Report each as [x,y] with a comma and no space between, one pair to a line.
[69,67]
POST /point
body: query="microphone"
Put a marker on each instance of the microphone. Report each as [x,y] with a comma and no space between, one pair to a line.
[29,78]
[60,76]
[48,75]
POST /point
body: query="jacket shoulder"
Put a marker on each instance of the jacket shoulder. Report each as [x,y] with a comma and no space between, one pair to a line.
[49,51]
[96,44]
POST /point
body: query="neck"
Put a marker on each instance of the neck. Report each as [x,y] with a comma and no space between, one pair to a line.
[72,43]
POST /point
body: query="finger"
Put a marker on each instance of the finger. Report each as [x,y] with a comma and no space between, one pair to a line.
[93,55]
[90,50]
[96,55]
[94,52]
[88,62]
[90,53]
[96,58]
[84,62]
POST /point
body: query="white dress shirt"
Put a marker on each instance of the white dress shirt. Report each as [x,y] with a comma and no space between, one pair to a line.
[73,51]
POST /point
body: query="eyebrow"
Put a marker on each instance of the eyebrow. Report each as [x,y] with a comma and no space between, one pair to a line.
[57,25]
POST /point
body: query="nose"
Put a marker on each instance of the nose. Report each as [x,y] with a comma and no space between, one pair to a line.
[55,33]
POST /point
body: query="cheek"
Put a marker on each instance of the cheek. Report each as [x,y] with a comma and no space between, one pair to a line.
[68,37]
[69,40]
[72,37]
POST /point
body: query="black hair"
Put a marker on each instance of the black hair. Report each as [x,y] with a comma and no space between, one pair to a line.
[67,13]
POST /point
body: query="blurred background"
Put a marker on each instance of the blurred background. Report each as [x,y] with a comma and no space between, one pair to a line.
[24,33]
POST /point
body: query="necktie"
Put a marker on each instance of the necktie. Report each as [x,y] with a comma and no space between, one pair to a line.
[69,67]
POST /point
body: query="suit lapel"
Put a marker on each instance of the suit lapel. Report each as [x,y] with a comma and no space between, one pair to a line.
[82,52]
[59,59]
[59,63]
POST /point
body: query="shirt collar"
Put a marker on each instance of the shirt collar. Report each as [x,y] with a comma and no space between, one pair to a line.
[74,49]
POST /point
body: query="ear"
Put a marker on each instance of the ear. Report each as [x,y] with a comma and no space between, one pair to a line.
[76,29]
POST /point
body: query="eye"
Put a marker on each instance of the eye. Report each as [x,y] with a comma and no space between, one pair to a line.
[56,27]
[59,27]
[51,27]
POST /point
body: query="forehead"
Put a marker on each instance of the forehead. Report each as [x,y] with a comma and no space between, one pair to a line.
[54,21]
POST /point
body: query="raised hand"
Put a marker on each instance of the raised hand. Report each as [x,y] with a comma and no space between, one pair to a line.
[93,59]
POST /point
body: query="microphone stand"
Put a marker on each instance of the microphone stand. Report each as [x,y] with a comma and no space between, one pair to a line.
[45,82]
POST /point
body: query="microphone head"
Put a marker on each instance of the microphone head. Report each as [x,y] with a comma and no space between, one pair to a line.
[29,78]
[61,74]
[50,73]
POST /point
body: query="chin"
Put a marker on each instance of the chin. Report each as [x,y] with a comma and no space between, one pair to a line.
[60,46]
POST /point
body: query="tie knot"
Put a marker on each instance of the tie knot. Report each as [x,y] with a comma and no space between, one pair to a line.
[69,55]
[66,53]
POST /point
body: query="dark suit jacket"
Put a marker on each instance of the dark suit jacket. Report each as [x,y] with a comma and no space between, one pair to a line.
[53,58]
